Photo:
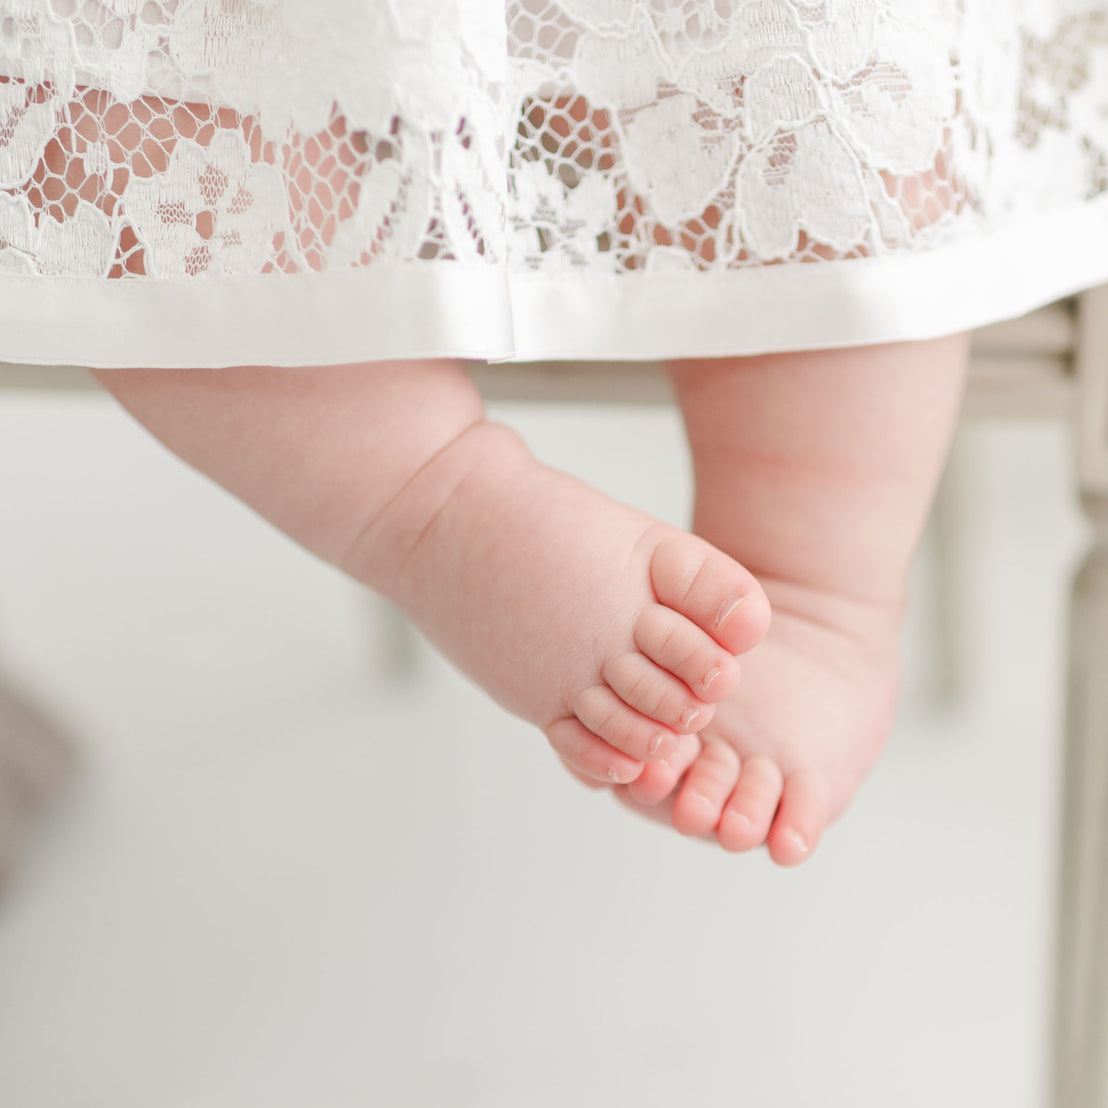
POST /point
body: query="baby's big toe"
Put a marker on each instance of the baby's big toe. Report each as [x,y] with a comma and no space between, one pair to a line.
[712,590]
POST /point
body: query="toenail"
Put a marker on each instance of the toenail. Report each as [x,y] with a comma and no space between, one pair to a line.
[798,840]
[688,716]
[656,741]
[726,608]
[711,675]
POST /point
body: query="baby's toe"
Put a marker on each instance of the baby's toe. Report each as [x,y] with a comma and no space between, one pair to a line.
[678,646]
[801,818]
[749,812]
[708,783]
[590,756]
[610,719]
[659,779]
[656,694]
[588,782]
[712,590]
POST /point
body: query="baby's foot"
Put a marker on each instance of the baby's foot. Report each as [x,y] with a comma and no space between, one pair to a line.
[786,752]
[614,633]
[815,469]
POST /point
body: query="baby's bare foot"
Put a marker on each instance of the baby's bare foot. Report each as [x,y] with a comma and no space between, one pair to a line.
[816,470]
[614,633]
[785,754]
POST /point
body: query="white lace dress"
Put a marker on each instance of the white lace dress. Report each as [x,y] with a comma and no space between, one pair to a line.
[219,182]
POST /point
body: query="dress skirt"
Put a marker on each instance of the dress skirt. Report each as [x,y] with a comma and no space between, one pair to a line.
[307,182]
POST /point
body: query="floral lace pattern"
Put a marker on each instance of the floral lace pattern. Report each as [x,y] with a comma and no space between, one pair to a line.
[193,138]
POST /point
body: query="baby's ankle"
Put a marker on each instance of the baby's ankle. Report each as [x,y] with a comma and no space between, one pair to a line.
[861,615]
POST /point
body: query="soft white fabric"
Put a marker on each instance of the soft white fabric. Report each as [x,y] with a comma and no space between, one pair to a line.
[211,182]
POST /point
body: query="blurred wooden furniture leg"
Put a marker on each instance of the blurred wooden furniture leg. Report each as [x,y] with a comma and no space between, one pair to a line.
[1080,1056]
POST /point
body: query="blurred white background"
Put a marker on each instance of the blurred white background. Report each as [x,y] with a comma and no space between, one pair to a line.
[284,877]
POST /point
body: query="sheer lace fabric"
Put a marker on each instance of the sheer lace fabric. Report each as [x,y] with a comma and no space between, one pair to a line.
[541,177]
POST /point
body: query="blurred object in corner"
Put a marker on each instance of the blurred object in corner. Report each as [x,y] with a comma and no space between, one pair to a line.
[36,759]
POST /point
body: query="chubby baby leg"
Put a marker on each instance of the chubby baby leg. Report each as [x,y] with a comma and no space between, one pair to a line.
[816,471]
[614,633]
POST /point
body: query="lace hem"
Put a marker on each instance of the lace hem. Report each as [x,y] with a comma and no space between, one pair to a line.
[405,310]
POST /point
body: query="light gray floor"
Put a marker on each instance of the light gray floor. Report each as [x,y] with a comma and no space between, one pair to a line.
[285,880]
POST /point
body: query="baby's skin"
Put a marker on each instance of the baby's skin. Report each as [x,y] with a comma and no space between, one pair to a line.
[618,635]
[614,633]
[823,494]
